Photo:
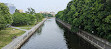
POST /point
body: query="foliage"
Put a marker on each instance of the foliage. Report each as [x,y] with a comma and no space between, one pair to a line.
[30,11]
[7,34]
[5,16]
[90,15]
[17,11]
[23,19]
[47,15]
[28,18]
[38,16]
[50,15]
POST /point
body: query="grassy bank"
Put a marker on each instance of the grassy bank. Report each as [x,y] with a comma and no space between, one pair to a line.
[27,27]
[7,34]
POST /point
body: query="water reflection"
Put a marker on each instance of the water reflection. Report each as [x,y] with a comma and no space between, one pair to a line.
[51,37]
[39,30]
[75,42]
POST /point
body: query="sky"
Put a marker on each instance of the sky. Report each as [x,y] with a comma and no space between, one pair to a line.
[39,5]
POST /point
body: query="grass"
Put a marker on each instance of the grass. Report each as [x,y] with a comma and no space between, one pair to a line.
[7,34]
[26,26]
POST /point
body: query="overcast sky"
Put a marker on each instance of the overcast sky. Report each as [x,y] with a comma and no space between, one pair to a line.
[39,5]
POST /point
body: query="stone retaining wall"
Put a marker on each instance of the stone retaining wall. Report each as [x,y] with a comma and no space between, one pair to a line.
[16,43]
[94,40]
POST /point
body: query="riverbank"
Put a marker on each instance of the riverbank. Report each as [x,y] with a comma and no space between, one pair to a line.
[16,43]
[52,35]
[7,35]
[94,40]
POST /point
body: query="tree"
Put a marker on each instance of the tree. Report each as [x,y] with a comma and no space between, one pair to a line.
[23,19]
[89,15]
[30,11]
[38,16]
[17,11]
[5,16]
[47,15]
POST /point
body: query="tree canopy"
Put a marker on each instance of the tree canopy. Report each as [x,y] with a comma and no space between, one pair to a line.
[30,11]
[26,18]
[5,16]
[23,19]
[90,15]
[38,16]
[47,15]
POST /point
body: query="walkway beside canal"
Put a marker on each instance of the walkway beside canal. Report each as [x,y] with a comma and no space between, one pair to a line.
[94,40]
[19,28]
[16,43]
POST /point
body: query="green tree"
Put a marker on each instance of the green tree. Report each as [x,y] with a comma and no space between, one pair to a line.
[47,15]
[93,16]
[38,16]
[23,19]
[5,16]
[17,11]
[30,11]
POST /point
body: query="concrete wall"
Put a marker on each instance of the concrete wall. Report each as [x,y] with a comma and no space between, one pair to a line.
[94,40]
[16,43]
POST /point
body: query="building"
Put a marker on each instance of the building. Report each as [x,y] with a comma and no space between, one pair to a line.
[20,11]
[11,7]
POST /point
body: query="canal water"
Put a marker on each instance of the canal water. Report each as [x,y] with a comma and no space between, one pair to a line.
[53,36]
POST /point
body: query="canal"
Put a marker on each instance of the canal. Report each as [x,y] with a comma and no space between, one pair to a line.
[54,36]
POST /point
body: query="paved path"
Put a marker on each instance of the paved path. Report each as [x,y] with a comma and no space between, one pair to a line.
[19,41]
[19,28]
[24,27]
